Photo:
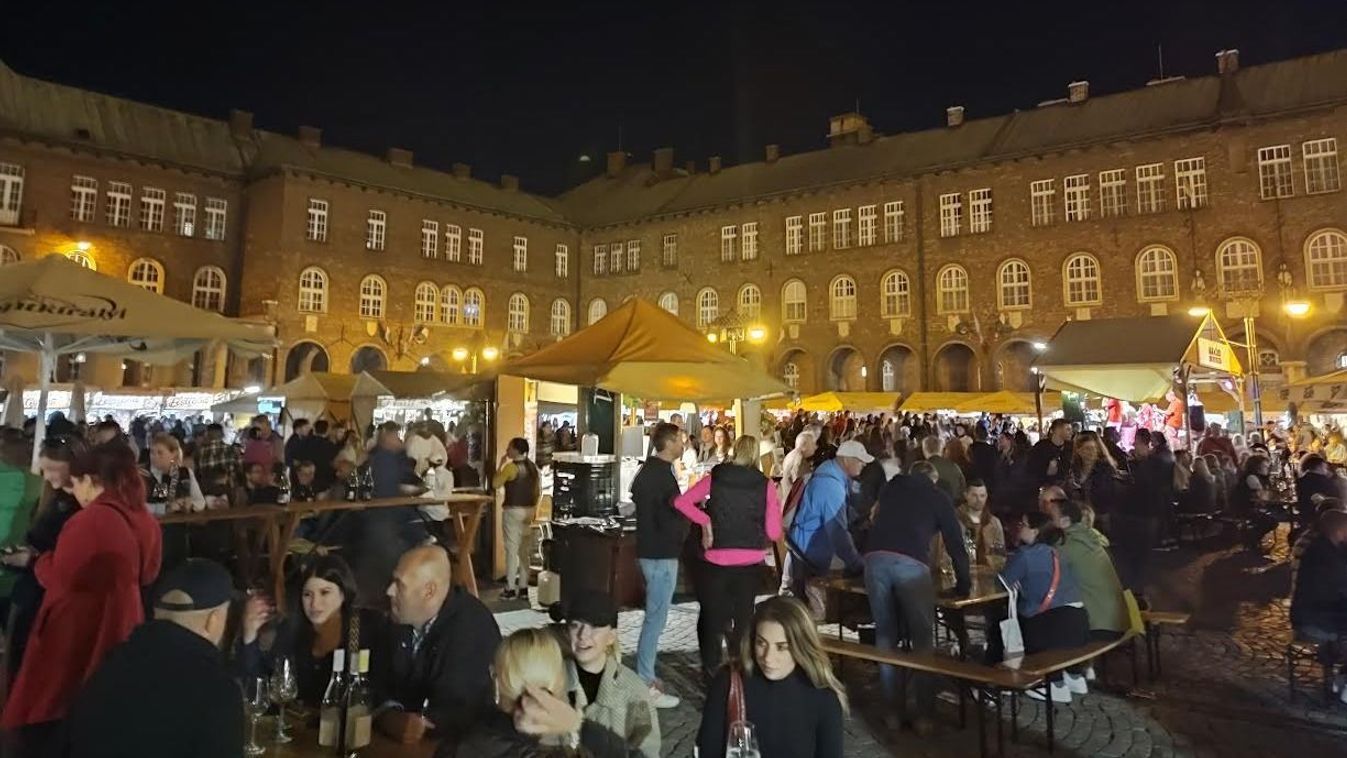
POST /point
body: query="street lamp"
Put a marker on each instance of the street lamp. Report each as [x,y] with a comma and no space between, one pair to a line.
[468,358]
[731,328]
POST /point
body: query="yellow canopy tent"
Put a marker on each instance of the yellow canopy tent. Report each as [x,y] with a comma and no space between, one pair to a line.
[643,350]
[1218,401]
[919,402]
[832,402]
[1317,394]
[1005,401]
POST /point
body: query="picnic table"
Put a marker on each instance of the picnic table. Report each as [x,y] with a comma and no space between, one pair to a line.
[304,741]
[985,588]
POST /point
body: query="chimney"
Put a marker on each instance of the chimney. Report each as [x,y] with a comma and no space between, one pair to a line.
[713,164]
[617,160]
[1227,62]
[849,129]
[954,115]
[311,136]
[773,152]
[462,170]
[690,167]
[663,162]
[400,157]
[1077,92]
[509,182]
[240,123]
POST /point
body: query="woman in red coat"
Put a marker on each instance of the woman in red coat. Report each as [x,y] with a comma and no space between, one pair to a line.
[93,578]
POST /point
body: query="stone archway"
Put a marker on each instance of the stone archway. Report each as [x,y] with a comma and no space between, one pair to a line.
[1013,361]
[368,358]
[955,369]
[846,370]
[898,370]
[797,367]
[304,357]
[1326,352]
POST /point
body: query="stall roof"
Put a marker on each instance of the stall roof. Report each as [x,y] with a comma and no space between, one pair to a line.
[1318,394]
[322,385]
[428,384]
[937,401]
[850,401]
[1006,401]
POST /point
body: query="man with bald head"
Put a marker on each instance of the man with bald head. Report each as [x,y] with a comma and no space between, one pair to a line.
[439,676]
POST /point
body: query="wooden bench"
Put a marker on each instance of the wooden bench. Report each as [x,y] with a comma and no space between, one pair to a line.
[1155,621]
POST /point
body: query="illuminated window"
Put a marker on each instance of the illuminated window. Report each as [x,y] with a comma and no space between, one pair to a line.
[951,286]
[474,307]
[1042,202]
[208,288]
[793,302]
[600,260]
[315,222]
[476,246]
[633,255]
[842,299]
[117,208]
[1239,267]
[430,238]
[1151,188]
[1113,193]
[376,230]
[313,290]
[83,198]
[184,214]
[517,312]
[865,229]
[669,302]
[1015,290]
[1076,193]
[980,211]
[893,221]
[749,244]
[426,303]
[895,291]
[616,257]
[563,261]
[560,325]
[1190,183]
[841,228]
[453,242]
[888,377]
[598,308]
[708,307]
[11,194]
[450,298]
[1326,259]
[750,302]
[217,213]
[521,254]
[794,235]
[1275,176]
[1081,281]
[728,236]
[818,231]
[669,252]
[790,374]
[147,273]
[373,290]
[1157,275]
[951,214]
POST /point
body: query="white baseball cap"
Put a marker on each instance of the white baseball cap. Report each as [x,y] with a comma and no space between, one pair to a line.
[854,449]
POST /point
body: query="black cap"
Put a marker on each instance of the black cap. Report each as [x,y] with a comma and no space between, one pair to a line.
[205,583]
[593,608]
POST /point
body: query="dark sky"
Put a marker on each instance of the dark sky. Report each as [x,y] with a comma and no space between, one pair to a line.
[512,87]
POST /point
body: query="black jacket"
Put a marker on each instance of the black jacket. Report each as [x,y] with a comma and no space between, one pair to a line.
[660,528]
[1320,596]
[984,457]
[1311,484]
[1152,488]
[294,640]
[452,667]
[912,510]
[1040,455]
[163,692]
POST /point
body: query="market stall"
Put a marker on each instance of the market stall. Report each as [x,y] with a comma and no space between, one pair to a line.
[447,396]
[347,398]
[856,402]
[926,402]
[1325,394]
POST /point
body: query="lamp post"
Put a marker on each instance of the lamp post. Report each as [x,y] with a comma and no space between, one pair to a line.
[467,357]
[732,329]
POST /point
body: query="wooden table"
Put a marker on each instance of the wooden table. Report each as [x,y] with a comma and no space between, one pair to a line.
[304,743]
[986,588]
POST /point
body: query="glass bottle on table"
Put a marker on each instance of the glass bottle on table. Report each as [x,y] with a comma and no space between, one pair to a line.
[329,712]
[283,487]
[359,706]
[367,483]
[353,485]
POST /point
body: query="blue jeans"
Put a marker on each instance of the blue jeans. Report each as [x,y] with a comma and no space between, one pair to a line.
[661,577]
[902,601]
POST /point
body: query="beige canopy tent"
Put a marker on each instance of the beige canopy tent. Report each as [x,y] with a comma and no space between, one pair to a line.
[1317,394]
[432,384]
[642,350]
[53,306]
[341,397]
[921,402]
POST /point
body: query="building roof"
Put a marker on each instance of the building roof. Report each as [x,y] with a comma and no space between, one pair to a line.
[1180,104]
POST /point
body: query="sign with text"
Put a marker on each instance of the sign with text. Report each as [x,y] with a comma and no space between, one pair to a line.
[1214,354]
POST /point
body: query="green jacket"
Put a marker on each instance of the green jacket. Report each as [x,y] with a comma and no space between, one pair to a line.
[622,706]
[1099,586]
[20,492]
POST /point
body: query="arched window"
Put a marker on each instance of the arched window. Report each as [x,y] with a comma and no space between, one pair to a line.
[1341,361]
[313,290]
[1014,287]
[793,302]
[561,318]
[474,307]
[82,258]
[450,298]
[147,273]
[8,256]
[1326,259]
[669,302]
[790,374]
[951,286]
[1239,266]
[208,288]
[425,306]
[517,321]
[598,308]
[373,289]
[1157,275]
[1080,280]
[888,377]
[750,302]
[708,307]
[842,299]
[895,299]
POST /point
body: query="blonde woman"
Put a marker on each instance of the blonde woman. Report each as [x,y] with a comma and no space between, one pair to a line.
[608,693]
[790,692]
[742,517]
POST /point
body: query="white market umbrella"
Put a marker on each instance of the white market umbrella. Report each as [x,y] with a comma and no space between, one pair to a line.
[52,306]
[13,403]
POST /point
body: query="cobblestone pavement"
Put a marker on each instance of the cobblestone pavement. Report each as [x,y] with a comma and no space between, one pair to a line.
[1223,691]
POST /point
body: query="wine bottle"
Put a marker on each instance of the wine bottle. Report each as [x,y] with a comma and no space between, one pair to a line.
[283,488]
[367,483]
[353,485]
[359,706]
[329,713]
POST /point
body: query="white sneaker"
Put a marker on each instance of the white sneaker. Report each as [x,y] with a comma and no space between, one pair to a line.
[1060,693]
[661,699]
[1076,683]
[1089,673]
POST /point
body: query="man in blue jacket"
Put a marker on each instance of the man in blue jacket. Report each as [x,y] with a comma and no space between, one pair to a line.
[818,533]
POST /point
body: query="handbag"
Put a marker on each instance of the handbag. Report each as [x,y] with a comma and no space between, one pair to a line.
[735,709]
[1012,637]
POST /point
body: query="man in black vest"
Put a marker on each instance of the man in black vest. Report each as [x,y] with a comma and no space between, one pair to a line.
[518,478]
[660,533]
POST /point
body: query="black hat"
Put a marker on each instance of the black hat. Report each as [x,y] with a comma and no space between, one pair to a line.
[593,608]
[205,583]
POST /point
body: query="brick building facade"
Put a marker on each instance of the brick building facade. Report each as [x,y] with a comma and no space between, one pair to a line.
[922,260]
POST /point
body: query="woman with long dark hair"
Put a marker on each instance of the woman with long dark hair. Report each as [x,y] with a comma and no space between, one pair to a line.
[1093,478]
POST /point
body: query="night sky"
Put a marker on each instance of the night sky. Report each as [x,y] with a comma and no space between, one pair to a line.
[522,89]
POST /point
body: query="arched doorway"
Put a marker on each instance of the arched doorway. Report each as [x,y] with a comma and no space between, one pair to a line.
[303,358]
[797,370]
[1327,352]
[955,369]
[1013,361]
[898,370]
[846,370]
[368,358]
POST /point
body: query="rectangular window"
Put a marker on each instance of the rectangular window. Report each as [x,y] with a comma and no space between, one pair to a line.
[83,198]
[794,235]
[633,255]
[152,209]
[980,210]
[842,229]
[728,236]
[521,254]
[118,205]
[1042,201]
[669,253]
[951,214]
[11,193]
[430,238]
[1274,172]
[315,225]
[1076,193]
[453,242]
[1190,183]
[476,246]
[748,250]
[184,214]
[217,217]
[376,229]
[563,262]
[1151,188]
[600,260]
[893,221]
[865,229]
[1112,193]
[615,257]
[818,231]
[1321,166]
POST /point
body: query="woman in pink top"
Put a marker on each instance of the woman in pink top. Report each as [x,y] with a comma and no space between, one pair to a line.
[742,517]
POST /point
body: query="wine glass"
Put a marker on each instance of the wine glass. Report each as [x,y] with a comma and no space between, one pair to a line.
[283,690]
[742,742]
[255,702]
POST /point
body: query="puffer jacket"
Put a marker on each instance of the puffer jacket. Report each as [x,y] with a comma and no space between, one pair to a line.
[819,529]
